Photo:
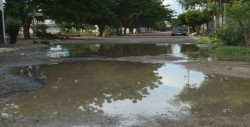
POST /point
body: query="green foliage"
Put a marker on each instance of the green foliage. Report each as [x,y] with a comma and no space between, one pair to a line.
[110,31]
[229,36]
[182,19]
[190,4]
[209,40]
[160,26]
[234,53]
[196,18]
[115,13]
[19,9]
[65,26]
[41,30]
[233,50]
[239,11]
[12,29]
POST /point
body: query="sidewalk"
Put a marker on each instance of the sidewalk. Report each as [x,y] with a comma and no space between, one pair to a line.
[20,45]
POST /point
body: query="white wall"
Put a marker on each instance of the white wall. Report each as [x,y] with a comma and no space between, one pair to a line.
[1,8]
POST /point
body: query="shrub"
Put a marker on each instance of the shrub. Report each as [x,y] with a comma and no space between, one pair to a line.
[110,31]
[41,30]
[229,36]
[12,29]
[210,40]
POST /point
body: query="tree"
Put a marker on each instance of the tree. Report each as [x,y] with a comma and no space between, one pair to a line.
[20,9]
[101,13]
[195,19]
[239,11]
[114,13]
[142,13]
[191,4]
[154,11]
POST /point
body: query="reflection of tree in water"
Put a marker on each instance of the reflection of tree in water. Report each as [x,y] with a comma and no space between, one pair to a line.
[217,96]
[115,50]
[192,51]
[83,88]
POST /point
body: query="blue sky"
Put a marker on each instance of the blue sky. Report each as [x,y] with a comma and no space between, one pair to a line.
[174,5]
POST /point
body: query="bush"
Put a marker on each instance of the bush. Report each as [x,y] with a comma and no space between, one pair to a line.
[12,29]
[210,40]
[110,31]
[229,36]
[41,30]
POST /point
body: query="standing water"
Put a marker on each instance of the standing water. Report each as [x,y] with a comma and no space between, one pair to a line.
[113,88]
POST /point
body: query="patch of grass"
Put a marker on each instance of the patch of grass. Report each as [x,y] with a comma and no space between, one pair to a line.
[232,53]
[208,40]
[232,50]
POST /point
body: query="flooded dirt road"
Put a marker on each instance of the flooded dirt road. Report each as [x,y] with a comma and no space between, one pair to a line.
[119,85]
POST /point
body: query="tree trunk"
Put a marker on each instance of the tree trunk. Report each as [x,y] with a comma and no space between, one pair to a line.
[131,30]
[245,33]
[26,31]
[101,30]
[125,31]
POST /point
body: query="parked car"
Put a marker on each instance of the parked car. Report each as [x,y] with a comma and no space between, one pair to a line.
[179,30]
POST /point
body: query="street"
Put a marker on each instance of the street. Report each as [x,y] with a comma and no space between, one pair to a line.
[145,38]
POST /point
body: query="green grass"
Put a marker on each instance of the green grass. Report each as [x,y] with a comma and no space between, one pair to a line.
[232,50]
[208,40]
[232,53]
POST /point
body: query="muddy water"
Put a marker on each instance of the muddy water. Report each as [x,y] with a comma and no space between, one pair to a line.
[116,50]
[127,88]
[189,52]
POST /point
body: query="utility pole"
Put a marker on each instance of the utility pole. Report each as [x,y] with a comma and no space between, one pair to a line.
[2,28]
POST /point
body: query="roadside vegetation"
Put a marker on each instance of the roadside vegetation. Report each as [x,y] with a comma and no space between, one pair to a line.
[226,23]
[113,17]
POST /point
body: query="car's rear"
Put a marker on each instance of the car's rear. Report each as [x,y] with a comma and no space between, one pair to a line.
[179,30]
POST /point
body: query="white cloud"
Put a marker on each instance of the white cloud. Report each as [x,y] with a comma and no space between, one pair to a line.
[174,5]
[168,2]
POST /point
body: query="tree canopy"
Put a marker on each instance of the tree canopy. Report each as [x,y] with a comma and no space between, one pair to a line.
[117,13]
[235,14]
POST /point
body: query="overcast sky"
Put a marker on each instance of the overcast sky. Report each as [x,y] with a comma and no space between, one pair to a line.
[174,5]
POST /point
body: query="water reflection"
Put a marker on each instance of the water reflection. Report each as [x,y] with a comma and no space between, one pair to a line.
[83,88]
[118,88]
[217,96]
[115,50]
[186,51]
[94,87]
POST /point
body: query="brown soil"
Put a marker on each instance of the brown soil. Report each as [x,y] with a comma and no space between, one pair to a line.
[28,54]
[227,68]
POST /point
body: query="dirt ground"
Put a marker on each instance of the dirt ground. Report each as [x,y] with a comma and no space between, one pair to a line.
[29,54]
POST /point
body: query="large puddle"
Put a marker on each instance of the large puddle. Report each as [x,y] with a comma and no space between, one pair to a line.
[128,88]
[187,51]
[109,87]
